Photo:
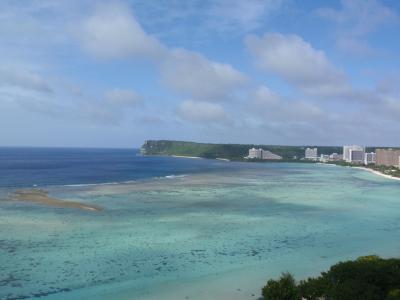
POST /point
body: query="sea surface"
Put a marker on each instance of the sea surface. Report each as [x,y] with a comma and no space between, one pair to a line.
[181,228]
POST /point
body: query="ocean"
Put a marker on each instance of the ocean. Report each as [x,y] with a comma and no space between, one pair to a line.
[29,167]
[181,228]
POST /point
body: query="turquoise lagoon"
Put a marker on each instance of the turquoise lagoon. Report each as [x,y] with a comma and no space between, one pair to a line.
[217,234]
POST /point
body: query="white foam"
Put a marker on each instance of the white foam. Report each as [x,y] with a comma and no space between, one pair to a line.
[175,176]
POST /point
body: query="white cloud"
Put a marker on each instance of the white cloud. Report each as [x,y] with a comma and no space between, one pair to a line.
[195,76]
[202,112]
[112,108]
[359,17]
[391,106]
[238,15]
[316,122]
[297,62]
[45,106]
[354,46]
[385,100]
[265,96]
[24,79]
[38,23]
[355,20]
[122,97]
[274,108]
[222,17]
[113,32]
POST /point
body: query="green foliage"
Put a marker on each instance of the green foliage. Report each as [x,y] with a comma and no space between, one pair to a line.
[366,278]
[312,288]
[394,294]
[229,151]
[392,171]
[283,289]
[368,258]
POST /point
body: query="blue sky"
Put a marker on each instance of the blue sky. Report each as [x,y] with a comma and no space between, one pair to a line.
[115,73]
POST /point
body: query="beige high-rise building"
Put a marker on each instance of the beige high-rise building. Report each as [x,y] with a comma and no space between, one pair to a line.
[388,157]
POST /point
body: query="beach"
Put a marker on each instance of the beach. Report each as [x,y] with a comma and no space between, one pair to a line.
[183,156]
[223,159]
[378,173]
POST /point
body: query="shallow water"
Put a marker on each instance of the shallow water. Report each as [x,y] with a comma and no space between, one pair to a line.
[217,234]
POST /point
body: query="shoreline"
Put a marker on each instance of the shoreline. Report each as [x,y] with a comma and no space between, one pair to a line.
[183,156]
[223,159]
[377,173]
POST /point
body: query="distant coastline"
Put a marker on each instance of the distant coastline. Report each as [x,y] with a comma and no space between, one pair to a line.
[318,163]
[231,152]
[241,152]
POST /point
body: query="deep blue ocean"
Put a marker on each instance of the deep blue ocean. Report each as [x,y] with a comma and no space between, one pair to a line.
[27,167]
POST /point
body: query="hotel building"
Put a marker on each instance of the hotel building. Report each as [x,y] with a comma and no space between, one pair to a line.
[357,156]
[353,153]
[369,158]
[311,153]
[255,153]
[269,155]
[335,157]
[388,157]
[324,158]
[262,154]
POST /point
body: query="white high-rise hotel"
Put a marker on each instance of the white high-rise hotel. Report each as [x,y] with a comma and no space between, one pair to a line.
[255,153]
[262,154]
[370,158]
[311,153]
[353,154]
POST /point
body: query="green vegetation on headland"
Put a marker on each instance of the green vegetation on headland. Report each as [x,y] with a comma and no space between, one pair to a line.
[366,278]
[227,151]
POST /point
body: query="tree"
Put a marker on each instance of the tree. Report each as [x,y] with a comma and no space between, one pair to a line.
[366,278]
[283,289]
[313,288]
[394,294]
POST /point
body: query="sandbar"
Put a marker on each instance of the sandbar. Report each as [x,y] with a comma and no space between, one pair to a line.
[42,197]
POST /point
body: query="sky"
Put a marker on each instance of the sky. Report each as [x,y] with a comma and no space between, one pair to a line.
[87,73]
